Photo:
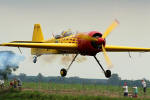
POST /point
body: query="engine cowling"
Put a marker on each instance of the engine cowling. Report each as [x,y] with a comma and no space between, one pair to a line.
[89,47]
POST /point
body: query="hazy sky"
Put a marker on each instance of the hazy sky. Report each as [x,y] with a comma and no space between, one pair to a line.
[17,19]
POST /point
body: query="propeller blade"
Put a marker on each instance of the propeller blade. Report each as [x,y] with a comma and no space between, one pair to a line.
[108,61]
[110,28]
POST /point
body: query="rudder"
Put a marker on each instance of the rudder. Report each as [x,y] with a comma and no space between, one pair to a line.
[37,37]
[37,34]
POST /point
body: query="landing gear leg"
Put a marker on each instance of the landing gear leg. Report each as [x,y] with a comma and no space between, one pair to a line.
[107,72]
[63,71]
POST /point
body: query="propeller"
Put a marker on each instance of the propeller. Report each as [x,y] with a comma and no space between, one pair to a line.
[106,33]
[108,61]
[101,39]
[110,28]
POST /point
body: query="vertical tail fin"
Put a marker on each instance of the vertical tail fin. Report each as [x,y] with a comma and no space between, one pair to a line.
[37,34]
[37,37]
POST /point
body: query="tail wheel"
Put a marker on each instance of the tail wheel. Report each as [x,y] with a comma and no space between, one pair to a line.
[63,72]
[108,73]
[34,59]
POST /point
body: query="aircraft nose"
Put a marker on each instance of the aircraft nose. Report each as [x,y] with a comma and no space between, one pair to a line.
[100,41]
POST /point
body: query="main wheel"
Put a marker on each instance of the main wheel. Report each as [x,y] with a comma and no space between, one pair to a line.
[63,72]
[108,73]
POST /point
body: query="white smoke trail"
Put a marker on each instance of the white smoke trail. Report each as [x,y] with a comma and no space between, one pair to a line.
[9,59]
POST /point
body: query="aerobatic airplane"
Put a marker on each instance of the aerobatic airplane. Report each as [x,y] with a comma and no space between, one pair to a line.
[86,44]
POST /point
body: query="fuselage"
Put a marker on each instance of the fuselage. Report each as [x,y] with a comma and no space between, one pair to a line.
[85,46]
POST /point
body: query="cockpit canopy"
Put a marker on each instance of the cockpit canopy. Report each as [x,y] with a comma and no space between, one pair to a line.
[64,34]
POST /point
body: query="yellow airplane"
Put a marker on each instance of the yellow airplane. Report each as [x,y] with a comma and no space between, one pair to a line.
[89,44]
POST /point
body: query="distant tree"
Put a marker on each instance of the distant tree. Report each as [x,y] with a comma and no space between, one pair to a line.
[40,77]
[5,73]
[22,76]
[114,80]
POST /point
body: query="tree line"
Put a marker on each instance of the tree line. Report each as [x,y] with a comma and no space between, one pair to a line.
[114,80]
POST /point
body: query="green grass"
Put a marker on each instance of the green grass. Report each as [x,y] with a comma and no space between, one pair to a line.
[29,95]
[38,91]
[102,88]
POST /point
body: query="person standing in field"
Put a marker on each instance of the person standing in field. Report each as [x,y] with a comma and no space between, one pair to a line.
[15,83]
[135,92]
[2,84]
[19,84]
[125,87]
[11,84]
[144,86]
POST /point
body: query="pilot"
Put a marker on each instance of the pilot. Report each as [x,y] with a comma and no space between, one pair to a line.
[66,33]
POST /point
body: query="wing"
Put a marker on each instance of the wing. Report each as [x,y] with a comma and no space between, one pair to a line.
[30,44]
[112,48]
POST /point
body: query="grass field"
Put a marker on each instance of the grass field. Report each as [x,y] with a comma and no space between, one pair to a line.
[103,89]
[36,95]
[53,91]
